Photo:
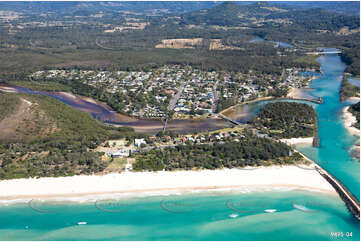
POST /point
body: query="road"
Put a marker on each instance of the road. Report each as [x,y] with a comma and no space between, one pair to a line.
[215,97]
[175,98]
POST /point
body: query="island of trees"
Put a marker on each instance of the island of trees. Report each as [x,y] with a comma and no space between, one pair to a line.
[286,120]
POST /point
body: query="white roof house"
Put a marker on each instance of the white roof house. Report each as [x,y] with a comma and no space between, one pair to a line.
[138,142]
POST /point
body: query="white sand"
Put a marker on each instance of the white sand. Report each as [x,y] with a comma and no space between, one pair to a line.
[294,93]
[354,99]
[294,141]
[349,121]
[68,94]
[143,182]
[7,89]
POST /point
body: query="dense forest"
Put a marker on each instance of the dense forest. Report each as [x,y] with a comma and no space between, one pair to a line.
[249,151]
[85,44]
[351,56]
[286,120]
[64,149]
[355,110]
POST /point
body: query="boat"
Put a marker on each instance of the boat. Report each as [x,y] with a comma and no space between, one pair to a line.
[270,210]
[82,223]
[233,215]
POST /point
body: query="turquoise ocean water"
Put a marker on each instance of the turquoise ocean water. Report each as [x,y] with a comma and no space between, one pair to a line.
[299,215]
[267,215]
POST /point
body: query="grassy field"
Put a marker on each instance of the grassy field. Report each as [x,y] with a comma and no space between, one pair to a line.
[8,104]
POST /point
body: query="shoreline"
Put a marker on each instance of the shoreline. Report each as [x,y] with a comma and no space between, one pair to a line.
[349,119]
[135,184]
[294,141]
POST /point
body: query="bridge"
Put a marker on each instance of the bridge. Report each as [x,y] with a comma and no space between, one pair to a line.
[324,52]
[165,125]
[229,119]
[349,199]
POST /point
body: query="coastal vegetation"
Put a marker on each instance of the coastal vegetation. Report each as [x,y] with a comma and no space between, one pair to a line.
[42,86]
[351,56]
[355,110]
[348,90]
[8,104]
[286,120]
[249,151]
[53,140]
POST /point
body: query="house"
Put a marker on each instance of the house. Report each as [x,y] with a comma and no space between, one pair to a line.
[138,142]
[119,153]
[128,167]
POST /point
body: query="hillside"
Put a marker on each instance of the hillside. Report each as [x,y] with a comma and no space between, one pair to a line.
[44,137]
[230,14]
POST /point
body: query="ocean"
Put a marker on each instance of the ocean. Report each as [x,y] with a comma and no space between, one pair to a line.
[264,215]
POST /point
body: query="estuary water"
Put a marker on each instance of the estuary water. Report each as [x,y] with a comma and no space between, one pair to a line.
[224,215]
[334,153]
[336,142]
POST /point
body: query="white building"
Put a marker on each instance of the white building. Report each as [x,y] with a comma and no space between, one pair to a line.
[138,142]
[119,153]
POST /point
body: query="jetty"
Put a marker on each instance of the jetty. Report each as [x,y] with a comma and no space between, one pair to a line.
[350,200]
[352,203]
[319,100]
[316,138]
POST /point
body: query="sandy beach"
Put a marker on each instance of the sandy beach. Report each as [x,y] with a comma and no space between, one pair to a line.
[295,93]
[349,120]
[294,141]
[137,183]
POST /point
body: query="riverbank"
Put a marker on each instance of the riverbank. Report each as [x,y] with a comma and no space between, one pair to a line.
[229,109]
[138,183]
[294,141]
[349,121]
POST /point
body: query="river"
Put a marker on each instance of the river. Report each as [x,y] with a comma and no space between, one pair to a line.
[104,113]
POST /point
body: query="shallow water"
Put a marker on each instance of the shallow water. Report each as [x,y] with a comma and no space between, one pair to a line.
[289,215]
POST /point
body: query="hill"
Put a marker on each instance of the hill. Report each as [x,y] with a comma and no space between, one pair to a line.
[230,14]
[44,137]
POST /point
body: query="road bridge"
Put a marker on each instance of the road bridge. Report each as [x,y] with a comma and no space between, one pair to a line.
[229,119]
